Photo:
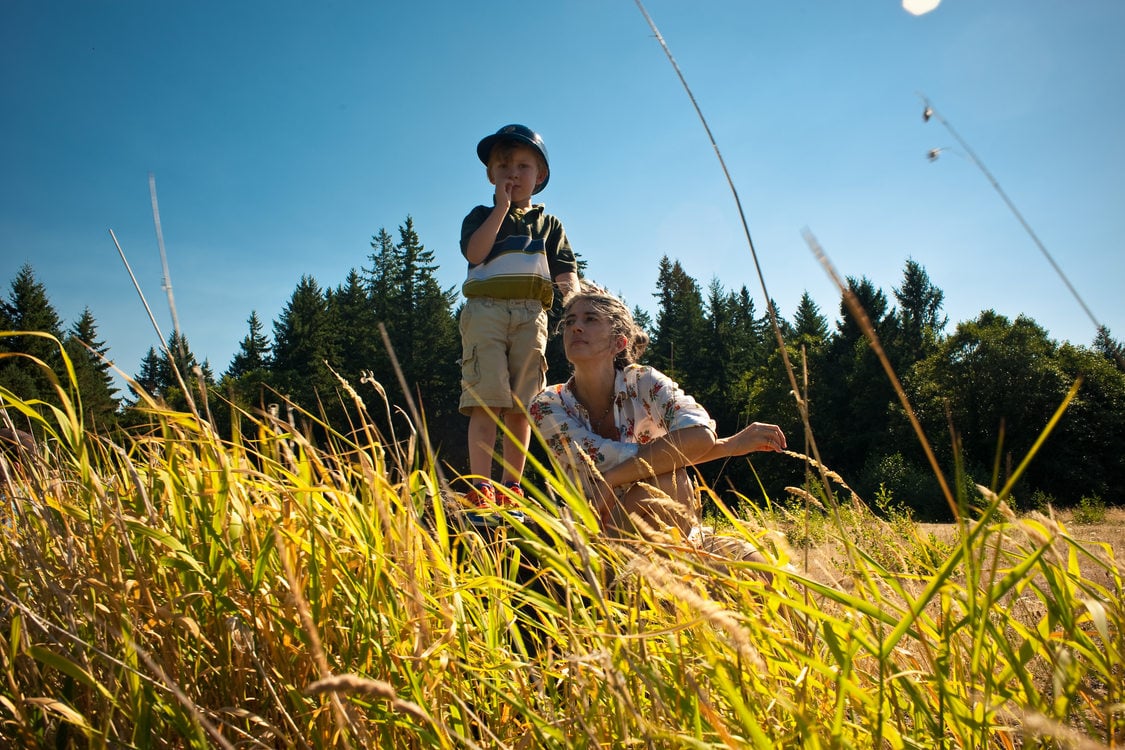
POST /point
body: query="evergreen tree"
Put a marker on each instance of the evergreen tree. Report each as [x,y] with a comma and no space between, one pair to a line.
[150,379]
[809,337]
[1109,348]
[416,264]
[29,309]
[248,377]
[385,275]
[734,355]
[430,340]
[92,371]
[182,360]
[254,353]
[303,343]
[420,321]
[355,327]
[714,364]
[641,318]
[853,392]
[810,328]
[680,326]
[165,374]
[918,319]
[384,282]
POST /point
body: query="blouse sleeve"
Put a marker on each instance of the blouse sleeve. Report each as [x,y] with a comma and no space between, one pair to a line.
[661,406]
[569,437]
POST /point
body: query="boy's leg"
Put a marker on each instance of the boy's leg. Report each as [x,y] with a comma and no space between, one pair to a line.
[482,442]
[484,326]
[527,367]
[515,450]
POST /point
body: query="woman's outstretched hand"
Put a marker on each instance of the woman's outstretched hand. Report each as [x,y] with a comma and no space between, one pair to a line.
[757,436]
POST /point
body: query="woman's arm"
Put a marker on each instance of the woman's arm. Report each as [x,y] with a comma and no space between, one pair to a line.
[676,450]
[690,446]
[757,436]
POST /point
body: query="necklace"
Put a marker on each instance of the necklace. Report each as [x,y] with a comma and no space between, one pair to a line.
[598,422]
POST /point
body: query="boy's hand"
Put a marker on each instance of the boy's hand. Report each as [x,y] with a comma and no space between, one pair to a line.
[504,194]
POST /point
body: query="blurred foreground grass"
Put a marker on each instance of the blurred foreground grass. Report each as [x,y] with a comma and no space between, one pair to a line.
[187,589]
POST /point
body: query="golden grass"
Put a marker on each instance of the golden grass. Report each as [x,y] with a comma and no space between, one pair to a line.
[185,589]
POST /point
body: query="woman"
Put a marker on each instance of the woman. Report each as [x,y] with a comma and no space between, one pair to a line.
[624,428]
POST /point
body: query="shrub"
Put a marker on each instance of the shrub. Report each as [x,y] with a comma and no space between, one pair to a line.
[1090,510]
[916,488]
[1040,501]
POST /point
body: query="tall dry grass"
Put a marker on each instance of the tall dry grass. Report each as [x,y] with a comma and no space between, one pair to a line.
[189,589]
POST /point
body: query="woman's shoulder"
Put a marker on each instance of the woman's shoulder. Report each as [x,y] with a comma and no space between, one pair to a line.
[634,373]
[554,392]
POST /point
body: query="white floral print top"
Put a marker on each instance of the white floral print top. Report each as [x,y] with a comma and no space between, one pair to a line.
[647,405]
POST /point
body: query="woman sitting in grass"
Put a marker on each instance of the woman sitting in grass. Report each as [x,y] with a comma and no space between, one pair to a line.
[626,431]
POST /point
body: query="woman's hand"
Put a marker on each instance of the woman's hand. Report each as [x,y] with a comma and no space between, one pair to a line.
[758,436]
[604,499]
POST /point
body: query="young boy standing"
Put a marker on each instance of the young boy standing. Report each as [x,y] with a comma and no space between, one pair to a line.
[516,253]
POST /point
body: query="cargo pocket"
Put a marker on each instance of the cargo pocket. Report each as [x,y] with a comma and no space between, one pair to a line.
[470,370]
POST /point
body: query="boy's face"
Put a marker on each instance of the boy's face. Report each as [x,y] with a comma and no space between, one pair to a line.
[516,167]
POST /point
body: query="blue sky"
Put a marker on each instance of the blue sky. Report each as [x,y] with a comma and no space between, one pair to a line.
[283,135]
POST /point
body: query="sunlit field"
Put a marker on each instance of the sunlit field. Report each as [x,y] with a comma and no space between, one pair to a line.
[189,589]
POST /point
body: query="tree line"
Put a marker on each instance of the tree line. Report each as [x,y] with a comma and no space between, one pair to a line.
[982,392]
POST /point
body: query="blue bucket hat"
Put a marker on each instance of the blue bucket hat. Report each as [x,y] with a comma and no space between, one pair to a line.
[519,134]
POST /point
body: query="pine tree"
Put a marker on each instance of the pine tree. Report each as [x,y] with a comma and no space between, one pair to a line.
[303,343]
[808,339]
[355,327]
[384,281]
[918,322]
[28,309]
[254,351]
[419,318]
[430,340]
[165,374]
[854,393]
[150,379]
[92,371]
[680,325]
[1109,348]
[734,353]
[182,360]
[810,328]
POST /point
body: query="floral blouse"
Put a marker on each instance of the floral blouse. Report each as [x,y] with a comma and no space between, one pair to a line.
[647,405]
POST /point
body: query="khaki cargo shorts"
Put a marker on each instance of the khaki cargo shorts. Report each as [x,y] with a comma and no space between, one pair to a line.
[502,352]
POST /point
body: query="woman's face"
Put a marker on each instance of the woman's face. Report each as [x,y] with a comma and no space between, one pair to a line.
[588,334]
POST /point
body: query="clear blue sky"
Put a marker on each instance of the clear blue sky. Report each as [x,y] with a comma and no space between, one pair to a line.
[283,135]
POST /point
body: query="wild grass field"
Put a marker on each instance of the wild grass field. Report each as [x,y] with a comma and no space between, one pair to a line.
[182,588]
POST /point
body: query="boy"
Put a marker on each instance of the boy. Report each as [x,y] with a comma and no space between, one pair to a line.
[515,252]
